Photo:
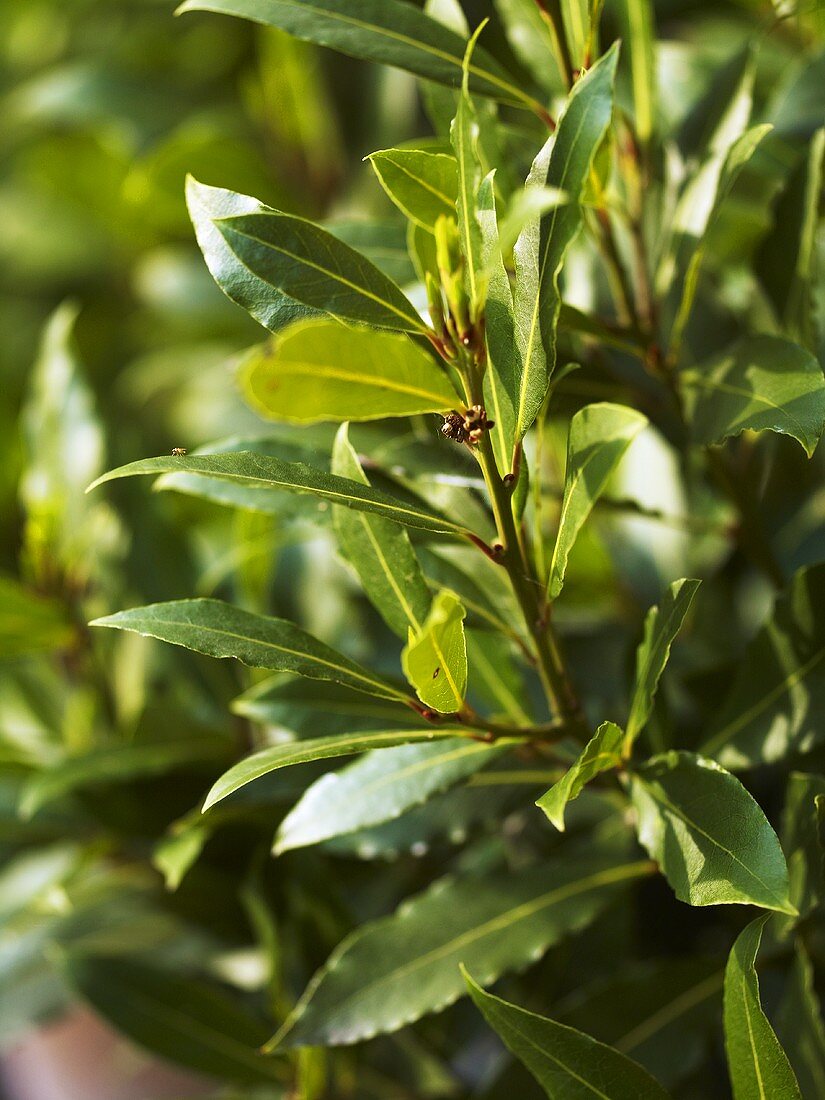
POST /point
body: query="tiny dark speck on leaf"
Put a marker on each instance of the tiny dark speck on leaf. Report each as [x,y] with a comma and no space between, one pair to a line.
[435,674]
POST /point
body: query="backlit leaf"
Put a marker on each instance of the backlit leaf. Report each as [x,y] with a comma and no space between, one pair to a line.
[435,657]
[422,185]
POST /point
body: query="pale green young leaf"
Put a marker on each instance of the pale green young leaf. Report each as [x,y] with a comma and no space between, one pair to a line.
[320,370]
[800,1027]
[777,700]
[762,383]
[564,164]
[787,260]
[387,31]
[267,473]
[568,1064]
[435,657]
[464,136]
[638,33]
[380,552]
[575,16]
[758,1066]
[602,752]
[599,436]
[320,748]
[423,185]
[394,970]
[271,307]
[533,37]
[380,787]
[218,629]
[295,257]
[662,624]
[711,839]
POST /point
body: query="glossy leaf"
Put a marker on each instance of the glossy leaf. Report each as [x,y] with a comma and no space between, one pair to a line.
[380,552]
[602,752]
[266,473]
[392,971]
[662,624]
[380,787]
[186,1020]
[564,163]
[300,259]
[777,698]
[422,185]
[599,436]
[320,748]
[388,31]
[435,657]
[711,839]
[758,1066]
[762,383]
[568,1064]
[220,630]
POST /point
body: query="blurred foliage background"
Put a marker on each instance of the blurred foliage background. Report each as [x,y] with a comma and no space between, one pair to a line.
[106,107]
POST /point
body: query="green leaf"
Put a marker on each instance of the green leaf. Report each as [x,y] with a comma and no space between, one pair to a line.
[320,748]
[295,257]
[387,31]
[710,838]
[394,970]
[802,840]
[777,700]
[319,370]
[602,752]
[30,623]
[800,1028]
[117,764]
[435,657]
[599,436]
[267,473]
[380,552]
[533,37]
[568,1064]
[422,185]
[575,16]
[662,625]
[189,1021]
[380,787]
[464,135]
[565,164]
[207,206]
[762,383]
[758,1066]
[497,676]
[786,262]
[220,630]
[638,33]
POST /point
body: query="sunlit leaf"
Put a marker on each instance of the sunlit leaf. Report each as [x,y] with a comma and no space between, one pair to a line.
[601,753]
[422,185]
[435,657]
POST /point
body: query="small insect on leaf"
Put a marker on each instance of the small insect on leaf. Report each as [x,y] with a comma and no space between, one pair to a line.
[178,452]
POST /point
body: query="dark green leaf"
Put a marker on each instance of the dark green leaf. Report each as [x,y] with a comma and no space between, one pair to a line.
[568,1064]
[392,971]
[220,630]
[712,841]
[601,753]
[799,1026]
[802,840]
[777,700]
[759,1068]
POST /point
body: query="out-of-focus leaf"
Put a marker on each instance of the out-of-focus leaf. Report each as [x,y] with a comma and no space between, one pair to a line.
[422,185]
[568,1064]
[320,748]
[639,37]
[564,163]
[777,699]
[786,263]
[435,657]
[189,1021]
[30,623]
[220,630]
[533,38]
[267,473]
[599,436]
[394,970]
[379,787]
[711,839]
[575,15]
[319,370]
[118,764]
[496,676]
[176,853]
[799,1026]
[387,31]
[662,625]
[762,383]
[758,1066]
[380,552]
[802,840]
[601,753]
